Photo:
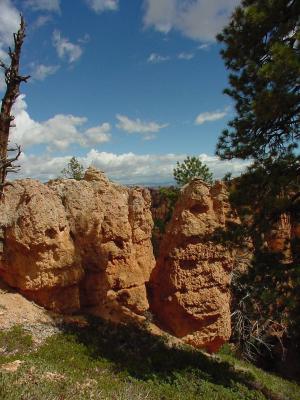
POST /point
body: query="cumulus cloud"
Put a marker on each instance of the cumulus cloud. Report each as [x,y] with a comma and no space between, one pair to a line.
[137,126]
[42,167]
[160,14]
[198,19]
[40,71]
[185,56]
[9,22]
[65,49]
[210,116]
[155,58]
[57,133]
[128,168]
[44,5]
[100,6]
[98,134]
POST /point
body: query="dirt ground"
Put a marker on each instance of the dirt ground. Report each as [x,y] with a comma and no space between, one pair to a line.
[40,323]
[16,310]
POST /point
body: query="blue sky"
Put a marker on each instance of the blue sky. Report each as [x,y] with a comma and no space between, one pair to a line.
[130,86]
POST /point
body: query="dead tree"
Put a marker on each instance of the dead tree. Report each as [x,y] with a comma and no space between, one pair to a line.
[13,80]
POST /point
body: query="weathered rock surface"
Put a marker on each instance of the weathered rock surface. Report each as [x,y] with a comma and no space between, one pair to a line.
[71,245]
[189,286]
[86,246]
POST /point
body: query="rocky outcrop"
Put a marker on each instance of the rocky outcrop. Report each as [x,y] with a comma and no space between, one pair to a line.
[71,245]
[190,285]
[86,246]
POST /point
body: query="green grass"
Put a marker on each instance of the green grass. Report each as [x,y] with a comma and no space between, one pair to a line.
[15,341]
[272,382]
[103,361]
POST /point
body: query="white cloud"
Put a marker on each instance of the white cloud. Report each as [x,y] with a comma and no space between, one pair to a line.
[84,39]
[197,19]
[9,21]
[40,71]
[137,126]
[98,134]
[57,133]
[155,58]
[128,168]
[41,21]
[210,116]
[160,14]
[65,49]
[42,167]
[204,46]
[44,5]
[185,56]
[100,6]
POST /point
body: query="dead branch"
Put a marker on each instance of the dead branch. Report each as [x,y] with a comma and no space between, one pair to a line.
[13,79]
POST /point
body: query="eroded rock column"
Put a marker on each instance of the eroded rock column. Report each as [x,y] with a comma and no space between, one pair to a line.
[189,287]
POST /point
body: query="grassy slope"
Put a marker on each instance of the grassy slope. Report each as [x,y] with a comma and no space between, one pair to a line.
[105,362]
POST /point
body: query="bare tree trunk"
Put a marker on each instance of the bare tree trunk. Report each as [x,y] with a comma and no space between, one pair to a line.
[13,80]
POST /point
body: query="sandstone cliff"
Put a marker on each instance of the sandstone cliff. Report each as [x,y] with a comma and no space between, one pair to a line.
[190,283]
[71,245]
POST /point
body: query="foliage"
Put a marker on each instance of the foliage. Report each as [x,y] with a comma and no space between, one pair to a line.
[265,191]
[105,361]
[74,170]
[167,199]
[227,177]
[266,298]
[190,168]
[15,341]
[266,317]
[262,52]
[170,193]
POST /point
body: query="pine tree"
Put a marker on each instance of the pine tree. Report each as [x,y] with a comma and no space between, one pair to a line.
[74,170]
[191,168]
[262,52]
[261,49]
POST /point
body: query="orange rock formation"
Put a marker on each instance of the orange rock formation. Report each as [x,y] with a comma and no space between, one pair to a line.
[72,245]
[190,284]
[86,245]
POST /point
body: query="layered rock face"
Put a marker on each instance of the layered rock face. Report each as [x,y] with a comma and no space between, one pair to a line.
[190,284]
[72,245]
